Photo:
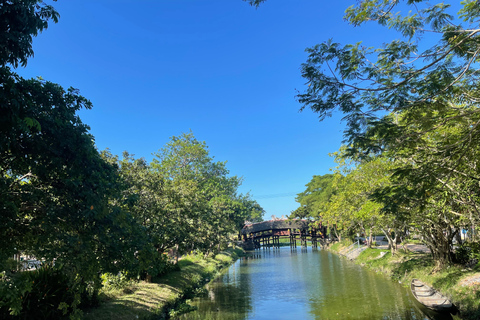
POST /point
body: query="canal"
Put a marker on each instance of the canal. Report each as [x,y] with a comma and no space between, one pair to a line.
[305,283]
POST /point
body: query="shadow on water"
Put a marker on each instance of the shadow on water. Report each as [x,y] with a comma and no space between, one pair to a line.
[306,283]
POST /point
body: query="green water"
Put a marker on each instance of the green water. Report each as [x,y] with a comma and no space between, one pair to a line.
[305,284]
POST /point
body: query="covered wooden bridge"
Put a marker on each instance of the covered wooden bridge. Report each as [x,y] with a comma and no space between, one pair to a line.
[268,233]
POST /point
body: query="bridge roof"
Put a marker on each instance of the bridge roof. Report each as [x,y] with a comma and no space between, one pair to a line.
[275,225]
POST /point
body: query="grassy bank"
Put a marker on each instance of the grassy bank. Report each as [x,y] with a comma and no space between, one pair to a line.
[460,284]
[165,296]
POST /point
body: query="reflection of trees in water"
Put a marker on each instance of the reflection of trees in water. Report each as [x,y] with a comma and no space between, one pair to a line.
[348,291]
[316,284]
[228,297]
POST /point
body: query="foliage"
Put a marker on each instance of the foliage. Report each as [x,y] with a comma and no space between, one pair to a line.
[182,200]
[180,309]
[91,213]
[315,197]
[203,205]
[45,293]
[467,253]
[367,83]
[255,3]
[459,284]
[155,300]
[55,188]
[116,281]
[413,102]
[20,22]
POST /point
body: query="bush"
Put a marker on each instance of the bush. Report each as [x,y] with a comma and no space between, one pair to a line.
[38,294]
[118,281]
[155,266]
[181,308]
[468,253]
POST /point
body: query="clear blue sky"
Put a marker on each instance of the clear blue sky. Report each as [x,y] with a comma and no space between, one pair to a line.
[228,72]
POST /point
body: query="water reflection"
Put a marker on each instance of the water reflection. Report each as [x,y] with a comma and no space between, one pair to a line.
[300,283]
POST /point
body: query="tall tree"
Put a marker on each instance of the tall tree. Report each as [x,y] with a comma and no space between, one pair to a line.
[413,101]
[55,189]
[316,196]
[206,194]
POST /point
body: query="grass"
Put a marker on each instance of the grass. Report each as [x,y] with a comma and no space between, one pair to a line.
[456,282]
[142,300]
[337,246]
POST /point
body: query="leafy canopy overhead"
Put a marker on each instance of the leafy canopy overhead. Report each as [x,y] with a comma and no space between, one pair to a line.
[20,21]
[405,75]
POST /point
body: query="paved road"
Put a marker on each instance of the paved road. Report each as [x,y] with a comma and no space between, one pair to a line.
[384,245]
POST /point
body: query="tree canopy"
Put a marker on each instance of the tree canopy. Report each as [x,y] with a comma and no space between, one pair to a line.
[411,103]
[62,200]
[425,84]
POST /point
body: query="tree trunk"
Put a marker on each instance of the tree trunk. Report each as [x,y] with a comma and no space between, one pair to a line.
[176,253]
[439,241]
[395,240]
[339,237]
[391,245]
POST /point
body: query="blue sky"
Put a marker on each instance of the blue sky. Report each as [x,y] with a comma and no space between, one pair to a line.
[221,68]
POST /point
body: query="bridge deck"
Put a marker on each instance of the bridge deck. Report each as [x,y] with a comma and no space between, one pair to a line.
[257,234]
[281,224]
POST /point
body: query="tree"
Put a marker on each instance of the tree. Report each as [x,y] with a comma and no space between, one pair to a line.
[365,83]
[20,21]
[56,191]
[437,186]
[201,195]
[55,186]
[402,101]
[314,199]
[352,207]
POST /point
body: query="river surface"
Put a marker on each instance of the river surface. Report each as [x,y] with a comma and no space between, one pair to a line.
[299,283]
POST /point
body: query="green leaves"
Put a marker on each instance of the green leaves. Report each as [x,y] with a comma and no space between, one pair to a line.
[20,21]
[315,198]
[364,84]
[184,199]
[55,187]
[470,10]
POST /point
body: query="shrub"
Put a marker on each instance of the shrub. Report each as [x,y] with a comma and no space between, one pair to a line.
[40,294]
[468,253]
[156,266]
[118,281]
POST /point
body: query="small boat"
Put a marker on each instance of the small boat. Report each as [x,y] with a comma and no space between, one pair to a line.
[429,297]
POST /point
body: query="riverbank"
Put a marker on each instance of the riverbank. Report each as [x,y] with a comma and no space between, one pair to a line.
[165,296]
[460,284]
